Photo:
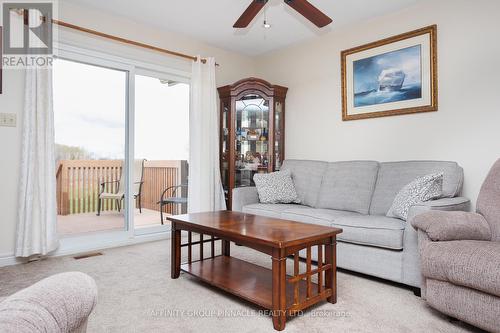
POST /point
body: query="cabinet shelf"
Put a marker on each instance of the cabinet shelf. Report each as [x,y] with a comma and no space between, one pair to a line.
[243,141]
[255,128]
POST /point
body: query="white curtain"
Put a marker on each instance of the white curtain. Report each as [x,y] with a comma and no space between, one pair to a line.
[37,227]
[205,188]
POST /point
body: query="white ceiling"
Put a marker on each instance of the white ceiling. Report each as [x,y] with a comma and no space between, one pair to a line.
[211,20]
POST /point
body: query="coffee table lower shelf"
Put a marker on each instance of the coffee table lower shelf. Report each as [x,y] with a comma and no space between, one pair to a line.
[248,281]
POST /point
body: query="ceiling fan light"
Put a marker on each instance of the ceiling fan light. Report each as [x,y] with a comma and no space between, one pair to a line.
[266,25]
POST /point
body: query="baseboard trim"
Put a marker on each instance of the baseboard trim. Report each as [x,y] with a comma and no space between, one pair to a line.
[108,244]
[9,259]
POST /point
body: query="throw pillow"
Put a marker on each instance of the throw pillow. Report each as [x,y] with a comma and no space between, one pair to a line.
[276,187]
[420,190]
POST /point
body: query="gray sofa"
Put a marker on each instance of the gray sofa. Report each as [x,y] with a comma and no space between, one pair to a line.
[356,196]
[460,254]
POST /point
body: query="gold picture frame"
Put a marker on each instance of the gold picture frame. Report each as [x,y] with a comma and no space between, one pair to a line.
[374,75]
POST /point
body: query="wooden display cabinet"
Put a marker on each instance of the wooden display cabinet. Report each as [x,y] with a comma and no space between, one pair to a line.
[252,138]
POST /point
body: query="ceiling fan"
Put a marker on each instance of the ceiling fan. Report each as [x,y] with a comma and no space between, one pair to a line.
[304,7]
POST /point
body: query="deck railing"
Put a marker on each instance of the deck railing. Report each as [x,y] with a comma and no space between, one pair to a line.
[158,175]
[79,182]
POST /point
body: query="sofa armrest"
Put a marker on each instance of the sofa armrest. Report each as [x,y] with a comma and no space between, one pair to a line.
[243,196]
[448,226]
[445,204]
[60,303]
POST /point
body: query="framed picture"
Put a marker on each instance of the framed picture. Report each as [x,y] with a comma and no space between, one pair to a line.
[393,76]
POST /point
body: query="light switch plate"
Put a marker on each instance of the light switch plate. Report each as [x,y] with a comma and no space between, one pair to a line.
[8,119]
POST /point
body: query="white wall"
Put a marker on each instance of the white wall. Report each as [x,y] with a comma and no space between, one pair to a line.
[10,137]
[466,128]
[233,67]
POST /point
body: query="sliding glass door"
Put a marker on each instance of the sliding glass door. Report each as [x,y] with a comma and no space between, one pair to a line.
[90,108]
[122,145]
[161,139]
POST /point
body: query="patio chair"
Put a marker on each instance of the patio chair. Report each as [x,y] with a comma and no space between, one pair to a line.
[119,193]
[173,199]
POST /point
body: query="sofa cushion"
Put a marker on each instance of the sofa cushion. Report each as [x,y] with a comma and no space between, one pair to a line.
[393,176]
[276,187]
[348,186]
[314,215]
[269,210]
[420,190]
[472,264]
[307,176]
[380,231]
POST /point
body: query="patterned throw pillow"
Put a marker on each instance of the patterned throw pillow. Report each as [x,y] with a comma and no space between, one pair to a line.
[276,187]
[420,190]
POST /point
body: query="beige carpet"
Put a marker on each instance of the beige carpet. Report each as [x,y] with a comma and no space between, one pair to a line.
[136,294]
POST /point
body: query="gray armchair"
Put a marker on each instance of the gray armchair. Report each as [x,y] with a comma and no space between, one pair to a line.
[460,257]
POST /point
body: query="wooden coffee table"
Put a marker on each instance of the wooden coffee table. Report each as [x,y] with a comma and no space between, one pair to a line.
[273,290]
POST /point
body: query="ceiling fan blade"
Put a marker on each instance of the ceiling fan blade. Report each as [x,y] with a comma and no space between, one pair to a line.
[310,12]
[250,13]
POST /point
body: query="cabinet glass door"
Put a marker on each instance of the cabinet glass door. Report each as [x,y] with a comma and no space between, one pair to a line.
[252,131]
[224,149]
[278,135]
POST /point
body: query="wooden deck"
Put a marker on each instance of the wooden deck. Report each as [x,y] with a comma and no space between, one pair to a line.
[79,184]
[109,220]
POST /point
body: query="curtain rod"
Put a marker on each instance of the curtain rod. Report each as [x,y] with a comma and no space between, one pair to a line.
[23,13]
[127,41]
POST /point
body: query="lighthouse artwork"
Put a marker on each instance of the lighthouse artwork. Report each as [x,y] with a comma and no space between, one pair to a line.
[392,76]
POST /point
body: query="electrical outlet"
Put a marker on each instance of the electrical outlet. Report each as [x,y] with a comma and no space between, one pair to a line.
[8,119]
